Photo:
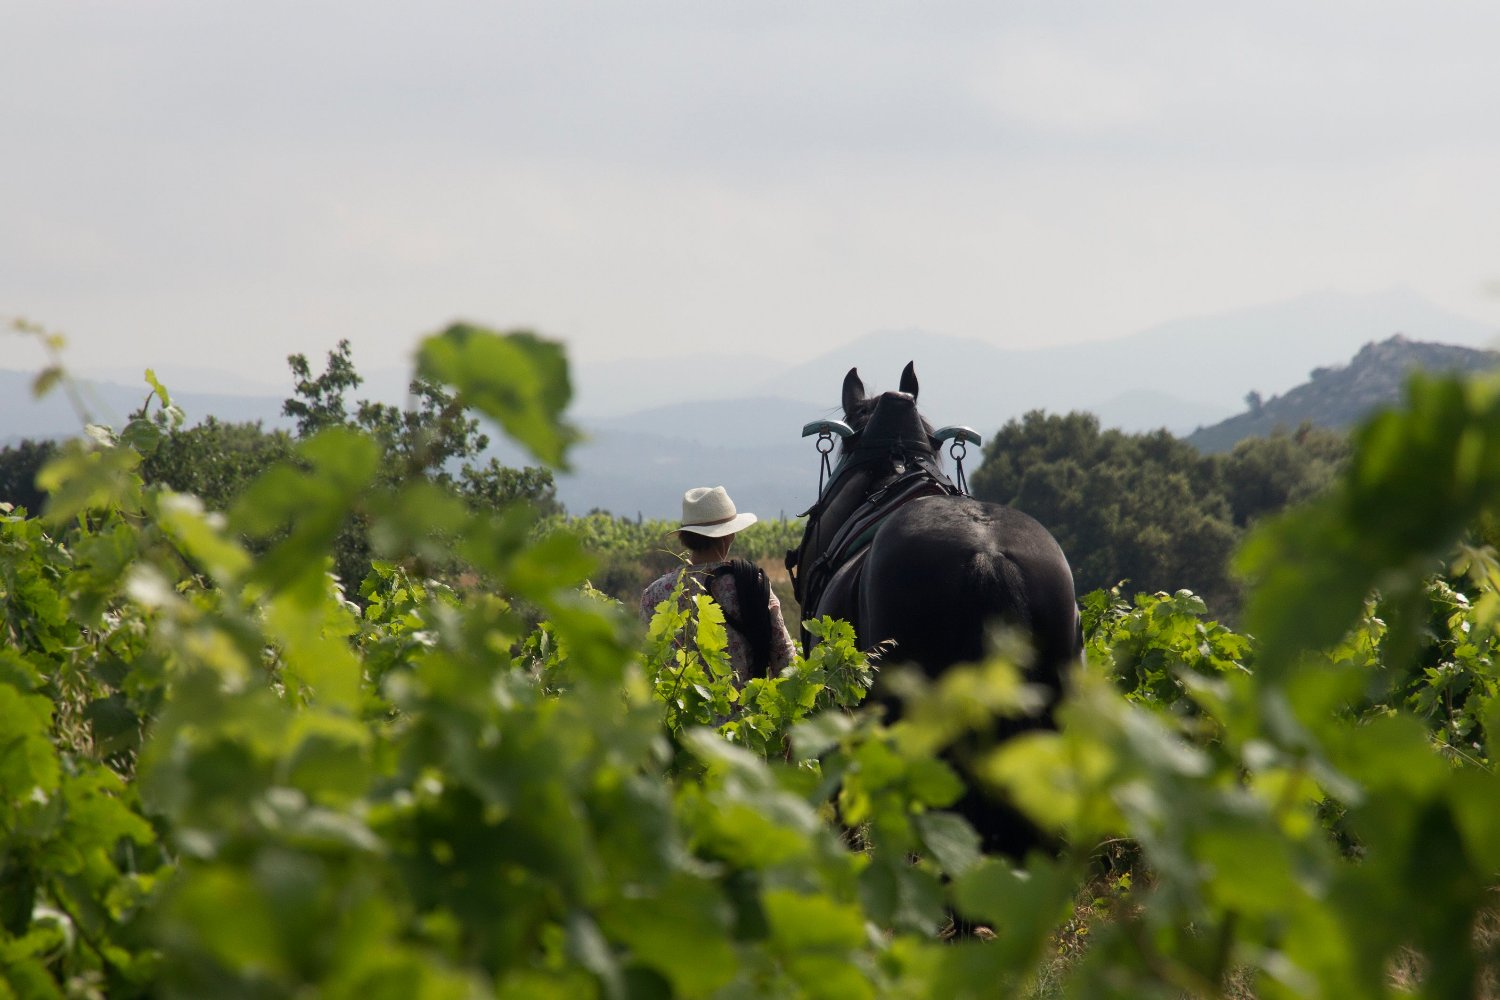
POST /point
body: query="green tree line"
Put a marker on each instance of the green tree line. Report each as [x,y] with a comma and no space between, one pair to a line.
[431,437]
[1144,508]
[1150,510]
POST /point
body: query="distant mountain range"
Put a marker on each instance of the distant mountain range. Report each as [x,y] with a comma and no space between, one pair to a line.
[658,426]
[1179,375]
[1340,396]
[56,415]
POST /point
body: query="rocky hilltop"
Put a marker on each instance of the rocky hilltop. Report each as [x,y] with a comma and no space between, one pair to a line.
[1340,396]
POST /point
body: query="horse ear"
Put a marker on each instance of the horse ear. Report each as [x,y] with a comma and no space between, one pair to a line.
[909,379]
[854,391]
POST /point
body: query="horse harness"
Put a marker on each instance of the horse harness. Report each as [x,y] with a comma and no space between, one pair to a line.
[917,475]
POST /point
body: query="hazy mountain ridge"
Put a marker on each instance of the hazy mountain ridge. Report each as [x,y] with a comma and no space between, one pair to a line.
[56,416]
[627,386]
[1198,368]
[1141,410]
[1340,396]
[655,426]
[752,422]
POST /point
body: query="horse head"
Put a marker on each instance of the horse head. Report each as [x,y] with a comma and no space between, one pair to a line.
[887,424]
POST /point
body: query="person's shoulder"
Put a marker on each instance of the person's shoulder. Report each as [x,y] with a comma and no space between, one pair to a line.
[663,584]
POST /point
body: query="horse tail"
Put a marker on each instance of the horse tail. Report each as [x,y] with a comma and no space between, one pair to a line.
[1054,626]
[1006,587]
[996,587]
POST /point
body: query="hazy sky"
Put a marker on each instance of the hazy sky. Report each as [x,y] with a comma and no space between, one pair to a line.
[206,183]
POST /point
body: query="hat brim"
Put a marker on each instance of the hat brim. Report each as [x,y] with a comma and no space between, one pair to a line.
[732,526]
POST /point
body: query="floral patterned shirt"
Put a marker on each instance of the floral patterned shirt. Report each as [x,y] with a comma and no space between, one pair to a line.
[722,589]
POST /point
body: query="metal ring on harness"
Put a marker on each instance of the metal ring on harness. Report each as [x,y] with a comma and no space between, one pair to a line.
[957,450]
[825,467]
[961,437]
[825,430]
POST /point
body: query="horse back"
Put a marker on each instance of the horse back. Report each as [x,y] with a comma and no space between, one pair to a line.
[942,570]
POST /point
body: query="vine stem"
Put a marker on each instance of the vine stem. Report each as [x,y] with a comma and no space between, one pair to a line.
[681,671]
[1225,945]
[60,899]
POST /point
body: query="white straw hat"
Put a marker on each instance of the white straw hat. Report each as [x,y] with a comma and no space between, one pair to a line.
[707,510]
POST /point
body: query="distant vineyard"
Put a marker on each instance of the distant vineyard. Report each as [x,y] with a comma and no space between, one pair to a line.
[605,534]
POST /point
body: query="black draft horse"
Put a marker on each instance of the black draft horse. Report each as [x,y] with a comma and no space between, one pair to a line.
[892,547]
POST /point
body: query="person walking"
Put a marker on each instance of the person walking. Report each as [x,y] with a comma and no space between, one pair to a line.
[759,643]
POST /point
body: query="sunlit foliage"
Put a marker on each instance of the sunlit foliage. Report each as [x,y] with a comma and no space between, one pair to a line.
[220,776]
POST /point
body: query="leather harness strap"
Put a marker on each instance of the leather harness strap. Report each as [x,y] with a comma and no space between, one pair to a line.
[859,529]
[895,440]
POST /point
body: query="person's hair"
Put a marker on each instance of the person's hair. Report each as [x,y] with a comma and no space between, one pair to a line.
[696,542]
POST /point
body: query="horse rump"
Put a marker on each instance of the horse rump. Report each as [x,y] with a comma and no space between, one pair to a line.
[941,574]
[943,571]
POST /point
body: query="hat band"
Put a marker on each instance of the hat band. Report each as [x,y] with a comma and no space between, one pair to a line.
[709,524]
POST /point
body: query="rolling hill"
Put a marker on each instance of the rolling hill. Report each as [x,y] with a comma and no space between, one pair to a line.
[1340,396]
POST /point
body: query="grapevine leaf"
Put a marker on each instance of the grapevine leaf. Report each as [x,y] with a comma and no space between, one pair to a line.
[80,479]
[310,504]
[681,931]
[158,388]
[517,379]
[950,839]
[46,379]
